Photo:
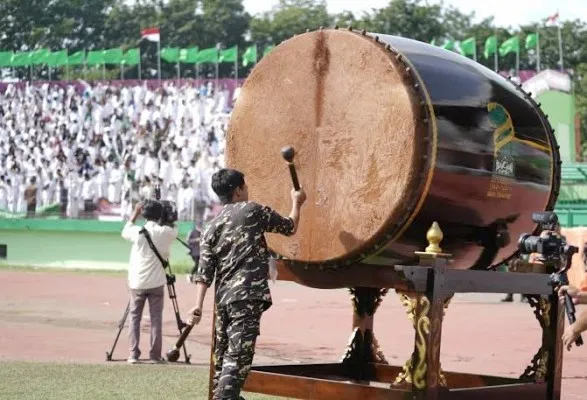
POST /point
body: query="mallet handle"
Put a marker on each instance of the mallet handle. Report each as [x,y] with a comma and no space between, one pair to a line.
[294,175]
[183,337]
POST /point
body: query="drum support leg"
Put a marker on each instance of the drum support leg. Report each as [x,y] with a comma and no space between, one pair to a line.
[363,347]
[546,366]
[417,308]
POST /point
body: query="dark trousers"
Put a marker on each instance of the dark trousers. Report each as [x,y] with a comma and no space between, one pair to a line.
[237,327]
[137,303]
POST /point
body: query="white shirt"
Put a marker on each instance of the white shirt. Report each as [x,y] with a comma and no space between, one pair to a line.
[145,270]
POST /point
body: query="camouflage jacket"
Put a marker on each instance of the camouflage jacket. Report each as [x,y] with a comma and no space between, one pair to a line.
[234,251]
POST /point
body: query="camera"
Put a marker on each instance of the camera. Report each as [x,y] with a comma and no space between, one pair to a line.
[164,211]
[550,245]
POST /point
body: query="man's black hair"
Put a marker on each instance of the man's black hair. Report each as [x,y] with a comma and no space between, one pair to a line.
[152,210]
[225,182]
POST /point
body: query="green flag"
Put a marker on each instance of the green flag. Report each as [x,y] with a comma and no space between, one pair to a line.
[21,59]
[250,55]
[5,58]
[170,54]
[57,59]
[95,57]
[229,55]
[448,45]
[207,56]
[76,58]
[113,56]
[467,47]
[512,45]
[188,56]
[267,49]
[531,41]
[40,56]
[131,57]
[490,46]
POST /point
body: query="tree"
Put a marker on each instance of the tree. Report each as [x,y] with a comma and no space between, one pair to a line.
[407,18]
[289,18]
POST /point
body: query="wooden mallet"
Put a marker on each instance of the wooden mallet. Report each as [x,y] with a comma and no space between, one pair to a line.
[288,154]
[173,354]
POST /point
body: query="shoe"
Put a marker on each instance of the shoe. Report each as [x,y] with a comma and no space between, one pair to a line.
[158,361]
[508,299]
[132,360]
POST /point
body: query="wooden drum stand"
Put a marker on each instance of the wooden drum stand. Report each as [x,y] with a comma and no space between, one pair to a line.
[426,290]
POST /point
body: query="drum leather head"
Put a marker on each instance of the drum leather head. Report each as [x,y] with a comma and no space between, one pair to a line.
[349,109]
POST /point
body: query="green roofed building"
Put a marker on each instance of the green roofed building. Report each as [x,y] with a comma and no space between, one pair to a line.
[553,91]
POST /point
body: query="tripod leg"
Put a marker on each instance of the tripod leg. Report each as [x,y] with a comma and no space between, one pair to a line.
[180,323]
[120,326]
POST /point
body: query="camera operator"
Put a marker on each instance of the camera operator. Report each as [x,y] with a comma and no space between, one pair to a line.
[573,331]
[234,251]
[146,275]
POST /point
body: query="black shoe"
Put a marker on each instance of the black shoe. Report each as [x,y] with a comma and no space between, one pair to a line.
[508,299]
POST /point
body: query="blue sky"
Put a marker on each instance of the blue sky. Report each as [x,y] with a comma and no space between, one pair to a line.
[506,12]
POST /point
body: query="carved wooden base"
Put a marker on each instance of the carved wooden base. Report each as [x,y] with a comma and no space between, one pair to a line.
[417,308]
[363,347]
[536,371]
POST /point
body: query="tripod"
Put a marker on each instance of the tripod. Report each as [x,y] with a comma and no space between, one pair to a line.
[173,297]
[180,324]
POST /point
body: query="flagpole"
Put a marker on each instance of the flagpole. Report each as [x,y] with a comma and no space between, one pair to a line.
[159,56]
[236,68]
[178,70]
[560,46]
[518,61]
[538,49]
[139,63]
[495,63]
[475,48]
[121,71]
[218,47]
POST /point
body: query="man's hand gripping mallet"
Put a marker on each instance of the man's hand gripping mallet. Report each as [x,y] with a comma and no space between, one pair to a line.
[173,354]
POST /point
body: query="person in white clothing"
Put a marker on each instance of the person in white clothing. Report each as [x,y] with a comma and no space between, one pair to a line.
[146,275]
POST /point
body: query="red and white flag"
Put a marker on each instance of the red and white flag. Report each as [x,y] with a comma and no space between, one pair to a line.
[552,19]
[151,34]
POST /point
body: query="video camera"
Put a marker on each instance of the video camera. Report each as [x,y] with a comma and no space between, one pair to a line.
[554,250]
[164,211]
[550,244]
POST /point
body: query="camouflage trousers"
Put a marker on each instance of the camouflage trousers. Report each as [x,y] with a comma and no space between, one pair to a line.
[237,328]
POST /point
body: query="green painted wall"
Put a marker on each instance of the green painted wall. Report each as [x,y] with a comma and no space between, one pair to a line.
[560,108]
[75,244]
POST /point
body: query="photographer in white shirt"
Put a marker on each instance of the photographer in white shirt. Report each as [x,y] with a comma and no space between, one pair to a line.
[146,275]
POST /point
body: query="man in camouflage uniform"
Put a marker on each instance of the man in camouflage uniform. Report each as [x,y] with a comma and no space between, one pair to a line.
[234,251]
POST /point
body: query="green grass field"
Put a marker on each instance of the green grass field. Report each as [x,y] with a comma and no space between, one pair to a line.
[43,381]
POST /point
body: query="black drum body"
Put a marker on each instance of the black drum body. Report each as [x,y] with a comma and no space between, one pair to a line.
[496,160]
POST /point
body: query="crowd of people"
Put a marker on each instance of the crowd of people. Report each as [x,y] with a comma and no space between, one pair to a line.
[84,148]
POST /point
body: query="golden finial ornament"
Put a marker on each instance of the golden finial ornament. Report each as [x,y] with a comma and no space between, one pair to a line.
[434,237]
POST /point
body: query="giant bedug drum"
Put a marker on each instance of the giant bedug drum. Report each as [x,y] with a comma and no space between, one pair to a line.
[392,134]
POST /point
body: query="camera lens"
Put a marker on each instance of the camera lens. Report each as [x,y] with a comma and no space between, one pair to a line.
[528,243]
